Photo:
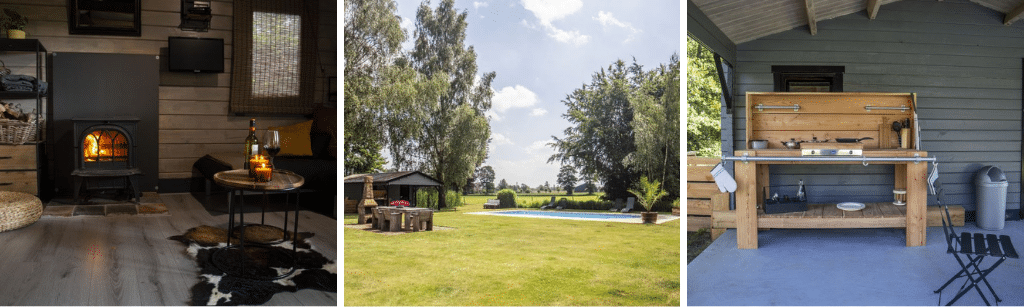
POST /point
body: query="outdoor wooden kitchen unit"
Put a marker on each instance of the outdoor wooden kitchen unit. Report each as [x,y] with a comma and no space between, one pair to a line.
[779,117]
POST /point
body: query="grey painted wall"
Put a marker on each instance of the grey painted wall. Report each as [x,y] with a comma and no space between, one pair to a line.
[962,62]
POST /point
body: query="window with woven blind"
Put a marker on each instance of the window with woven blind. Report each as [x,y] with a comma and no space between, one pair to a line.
[274,57]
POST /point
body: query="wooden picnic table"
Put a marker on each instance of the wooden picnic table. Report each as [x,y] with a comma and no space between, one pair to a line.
[404,216]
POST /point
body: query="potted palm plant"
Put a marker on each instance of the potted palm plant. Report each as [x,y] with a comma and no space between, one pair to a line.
[14,23]
[648,192]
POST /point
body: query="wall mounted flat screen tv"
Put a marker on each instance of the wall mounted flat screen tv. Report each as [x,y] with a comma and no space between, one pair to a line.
[190,54]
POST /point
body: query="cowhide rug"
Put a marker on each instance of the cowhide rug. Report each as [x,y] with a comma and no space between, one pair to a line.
[313,271]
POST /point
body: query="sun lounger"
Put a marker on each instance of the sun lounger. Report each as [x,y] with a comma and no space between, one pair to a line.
[629,204]
[550,204]
[561,204]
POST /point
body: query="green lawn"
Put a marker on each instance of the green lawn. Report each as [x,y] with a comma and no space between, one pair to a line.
[492,260]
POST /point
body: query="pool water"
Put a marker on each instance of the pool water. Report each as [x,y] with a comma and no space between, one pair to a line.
[572,214]
[584,216]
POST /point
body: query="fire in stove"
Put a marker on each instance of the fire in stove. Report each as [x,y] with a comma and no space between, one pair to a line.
[105,146]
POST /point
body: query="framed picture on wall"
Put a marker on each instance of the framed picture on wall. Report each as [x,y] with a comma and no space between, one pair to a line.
[105,17]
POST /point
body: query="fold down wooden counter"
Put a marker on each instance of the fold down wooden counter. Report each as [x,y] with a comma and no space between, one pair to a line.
[752,176]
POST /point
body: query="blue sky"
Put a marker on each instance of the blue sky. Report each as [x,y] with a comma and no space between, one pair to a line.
[541,51]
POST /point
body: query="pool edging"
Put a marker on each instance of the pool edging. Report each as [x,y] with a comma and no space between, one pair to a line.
[662,218]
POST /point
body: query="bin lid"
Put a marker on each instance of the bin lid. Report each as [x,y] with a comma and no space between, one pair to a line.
[988,175]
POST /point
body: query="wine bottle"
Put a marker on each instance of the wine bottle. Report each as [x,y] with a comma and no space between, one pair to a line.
[252,144]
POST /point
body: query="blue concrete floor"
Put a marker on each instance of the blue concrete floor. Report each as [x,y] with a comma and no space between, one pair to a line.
[849,267]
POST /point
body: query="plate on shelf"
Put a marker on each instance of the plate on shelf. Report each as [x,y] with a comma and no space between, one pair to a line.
[849,206]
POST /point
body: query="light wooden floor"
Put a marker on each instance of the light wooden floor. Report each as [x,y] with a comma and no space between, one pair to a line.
[127,260]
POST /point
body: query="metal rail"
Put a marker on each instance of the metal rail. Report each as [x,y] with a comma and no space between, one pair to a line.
[761,107]
[864,160]
[902,109]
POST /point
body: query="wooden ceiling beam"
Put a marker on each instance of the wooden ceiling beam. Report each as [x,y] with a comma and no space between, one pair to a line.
[1014,14]
[811,21]
[873,6]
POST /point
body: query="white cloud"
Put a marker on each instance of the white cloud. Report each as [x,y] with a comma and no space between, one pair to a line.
[529,25]
[548,11]
[513,97]
[539,112]
[539,146]
[492,115]
[409,26]
[551,10]
[499,139]
[571,37]
[478,5]
[606,19]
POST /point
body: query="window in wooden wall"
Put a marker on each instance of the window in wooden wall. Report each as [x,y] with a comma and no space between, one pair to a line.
[275,57]
[808,78]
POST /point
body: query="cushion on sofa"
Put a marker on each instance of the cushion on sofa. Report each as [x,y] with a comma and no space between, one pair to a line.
[323,133]
[295,139]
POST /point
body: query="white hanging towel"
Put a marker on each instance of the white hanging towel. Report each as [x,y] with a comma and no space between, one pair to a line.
[932,177]
[724,181]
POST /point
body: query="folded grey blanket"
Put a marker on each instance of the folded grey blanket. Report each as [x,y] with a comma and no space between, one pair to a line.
[16,78]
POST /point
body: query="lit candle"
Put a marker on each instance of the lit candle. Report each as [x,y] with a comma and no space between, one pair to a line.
[255,161]
[263,173]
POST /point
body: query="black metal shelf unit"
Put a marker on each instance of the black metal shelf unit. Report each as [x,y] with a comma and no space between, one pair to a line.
[28,45]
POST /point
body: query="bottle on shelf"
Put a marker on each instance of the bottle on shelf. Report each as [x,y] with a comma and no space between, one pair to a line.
[801,194]
[252,144]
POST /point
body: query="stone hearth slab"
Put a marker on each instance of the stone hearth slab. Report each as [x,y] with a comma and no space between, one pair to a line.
[61,211]
[121,209]
[90,210]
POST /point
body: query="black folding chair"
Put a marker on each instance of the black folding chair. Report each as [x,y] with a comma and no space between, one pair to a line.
[974,246]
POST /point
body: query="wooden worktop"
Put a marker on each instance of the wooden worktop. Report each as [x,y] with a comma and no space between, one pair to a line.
[873,153]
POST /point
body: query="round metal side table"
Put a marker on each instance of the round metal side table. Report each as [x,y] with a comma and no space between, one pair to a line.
[239,181]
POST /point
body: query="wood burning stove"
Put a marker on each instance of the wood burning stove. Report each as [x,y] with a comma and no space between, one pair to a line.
[105,152]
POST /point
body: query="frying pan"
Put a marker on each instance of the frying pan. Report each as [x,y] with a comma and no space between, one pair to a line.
[852,140]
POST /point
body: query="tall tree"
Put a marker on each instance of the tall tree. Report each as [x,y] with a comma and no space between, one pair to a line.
[486,177]
[656,126]
[601,135]
[381,88]
[455,130]
[567,178]
[703,114]
[503,185]
[373,38]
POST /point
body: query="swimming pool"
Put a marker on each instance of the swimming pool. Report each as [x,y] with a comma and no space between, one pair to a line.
[582,216]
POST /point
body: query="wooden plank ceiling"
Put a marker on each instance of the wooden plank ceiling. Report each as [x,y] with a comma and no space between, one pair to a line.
[746,20]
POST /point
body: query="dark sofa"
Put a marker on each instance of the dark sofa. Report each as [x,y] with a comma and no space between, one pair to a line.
[319,193]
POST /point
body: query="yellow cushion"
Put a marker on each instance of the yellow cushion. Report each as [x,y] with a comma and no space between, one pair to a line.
[295,139]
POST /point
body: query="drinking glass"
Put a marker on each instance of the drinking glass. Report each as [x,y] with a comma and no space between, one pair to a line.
[272,143]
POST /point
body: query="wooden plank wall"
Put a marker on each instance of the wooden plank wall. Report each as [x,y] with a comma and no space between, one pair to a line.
[194,117]
[962,62]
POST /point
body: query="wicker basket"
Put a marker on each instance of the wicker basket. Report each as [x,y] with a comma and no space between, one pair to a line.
[17,132]
[18,210]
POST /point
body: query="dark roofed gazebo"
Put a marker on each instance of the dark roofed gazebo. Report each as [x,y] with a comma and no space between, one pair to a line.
[395,185]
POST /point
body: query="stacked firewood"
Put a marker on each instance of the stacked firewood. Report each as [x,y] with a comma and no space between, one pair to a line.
[13,112]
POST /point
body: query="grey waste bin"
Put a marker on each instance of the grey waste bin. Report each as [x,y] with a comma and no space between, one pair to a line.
[990,187]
